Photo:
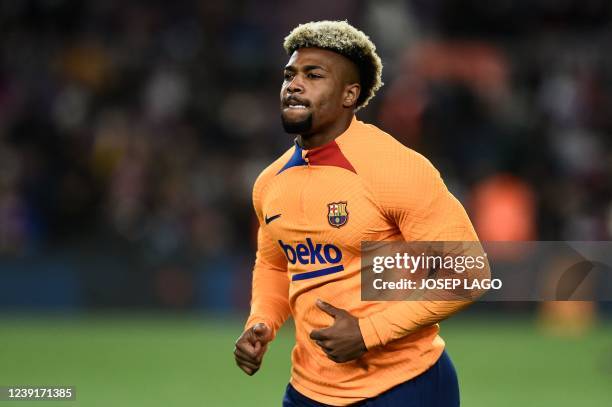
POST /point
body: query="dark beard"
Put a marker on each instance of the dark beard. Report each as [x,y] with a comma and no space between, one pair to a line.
[300,127]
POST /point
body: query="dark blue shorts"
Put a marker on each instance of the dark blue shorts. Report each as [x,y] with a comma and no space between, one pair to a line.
[437,387]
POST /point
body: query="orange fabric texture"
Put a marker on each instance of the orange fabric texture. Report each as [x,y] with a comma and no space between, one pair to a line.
[363,186]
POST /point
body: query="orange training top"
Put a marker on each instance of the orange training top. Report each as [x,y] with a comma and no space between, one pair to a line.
[315,207]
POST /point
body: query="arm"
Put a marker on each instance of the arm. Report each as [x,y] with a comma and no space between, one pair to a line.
[270,292]
[436,216]
[269,299]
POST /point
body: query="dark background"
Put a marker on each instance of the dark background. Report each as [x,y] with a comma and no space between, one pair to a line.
[131,132]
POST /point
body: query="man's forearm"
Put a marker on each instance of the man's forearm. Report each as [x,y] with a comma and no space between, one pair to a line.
[270,302]
[406,317]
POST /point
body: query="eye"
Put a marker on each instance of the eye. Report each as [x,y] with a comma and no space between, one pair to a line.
[287,76]
[313,76]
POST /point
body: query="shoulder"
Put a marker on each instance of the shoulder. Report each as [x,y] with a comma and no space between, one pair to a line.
[265,176]
[383,161]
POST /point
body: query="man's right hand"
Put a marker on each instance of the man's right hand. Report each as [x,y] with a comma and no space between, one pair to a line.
[251,346]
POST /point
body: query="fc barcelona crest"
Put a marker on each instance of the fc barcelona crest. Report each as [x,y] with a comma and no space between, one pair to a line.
[337,215]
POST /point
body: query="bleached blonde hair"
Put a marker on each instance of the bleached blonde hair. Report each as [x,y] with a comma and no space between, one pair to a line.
[346,40]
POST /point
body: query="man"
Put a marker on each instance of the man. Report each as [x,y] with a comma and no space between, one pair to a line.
[344,182]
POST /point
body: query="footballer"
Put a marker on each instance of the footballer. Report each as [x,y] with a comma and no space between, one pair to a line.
[343,182]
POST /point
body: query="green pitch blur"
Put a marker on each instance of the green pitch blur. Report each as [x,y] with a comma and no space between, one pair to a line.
[187,361]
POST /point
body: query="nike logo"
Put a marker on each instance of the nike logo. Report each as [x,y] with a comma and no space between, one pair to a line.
[271,218]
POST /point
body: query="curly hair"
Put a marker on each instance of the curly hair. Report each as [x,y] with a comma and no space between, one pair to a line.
[346,40]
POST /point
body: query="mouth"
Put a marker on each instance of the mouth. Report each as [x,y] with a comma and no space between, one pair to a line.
[295,104]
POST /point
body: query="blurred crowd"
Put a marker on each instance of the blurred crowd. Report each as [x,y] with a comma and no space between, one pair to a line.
[143,124]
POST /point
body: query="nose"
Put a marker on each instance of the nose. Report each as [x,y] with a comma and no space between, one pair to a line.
[296,85]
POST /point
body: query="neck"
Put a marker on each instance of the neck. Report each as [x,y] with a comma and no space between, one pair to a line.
[310,141]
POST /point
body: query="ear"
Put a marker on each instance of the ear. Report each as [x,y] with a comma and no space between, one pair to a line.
[351,94]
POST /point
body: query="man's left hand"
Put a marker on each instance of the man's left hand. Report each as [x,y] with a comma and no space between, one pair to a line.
[342,341]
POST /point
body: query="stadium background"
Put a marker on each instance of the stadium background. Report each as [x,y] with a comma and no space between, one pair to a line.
[131,134]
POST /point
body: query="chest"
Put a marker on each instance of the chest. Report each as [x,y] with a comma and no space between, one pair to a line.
[323,204]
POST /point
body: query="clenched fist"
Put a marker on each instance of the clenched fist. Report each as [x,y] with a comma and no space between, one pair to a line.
[251,346]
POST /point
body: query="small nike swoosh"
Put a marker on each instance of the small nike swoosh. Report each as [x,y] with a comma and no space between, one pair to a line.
[271,218]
